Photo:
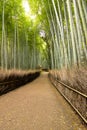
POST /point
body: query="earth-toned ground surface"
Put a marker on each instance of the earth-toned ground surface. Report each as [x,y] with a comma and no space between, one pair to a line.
[37,106]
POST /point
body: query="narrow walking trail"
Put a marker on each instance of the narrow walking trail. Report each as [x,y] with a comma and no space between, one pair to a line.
[37,106]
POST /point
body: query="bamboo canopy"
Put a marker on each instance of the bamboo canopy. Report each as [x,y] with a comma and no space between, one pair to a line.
[47,33]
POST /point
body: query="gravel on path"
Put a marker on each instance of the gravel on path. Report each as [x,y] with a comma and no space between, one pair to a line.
[37,106]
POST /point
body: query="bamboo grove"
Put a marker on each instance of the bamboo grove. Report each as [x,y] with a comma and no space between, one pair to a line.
[68,27]
[63,42]
[20,42]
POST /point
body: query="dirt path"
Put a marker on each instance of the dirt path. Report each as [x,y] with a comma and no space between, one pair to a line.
[37,106]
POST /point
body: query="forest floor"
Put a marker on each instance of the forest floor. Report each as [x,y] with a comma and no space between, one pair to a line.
[37,106]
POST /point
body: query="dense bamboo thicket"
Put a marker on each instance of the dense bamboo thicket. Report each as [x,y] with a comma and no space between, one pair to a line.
[68,27]
[47,33]
[21,46]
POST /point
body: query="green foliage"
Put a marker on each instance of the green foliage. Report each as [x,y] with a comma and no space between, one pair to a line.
[21,44]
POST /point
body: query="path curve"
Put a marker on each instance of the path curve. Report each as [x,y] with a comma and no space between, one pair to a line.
[37,106]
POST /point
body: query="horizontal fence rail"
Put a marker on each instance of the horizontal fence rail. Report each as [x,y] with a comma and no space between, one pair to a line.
[76,99]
